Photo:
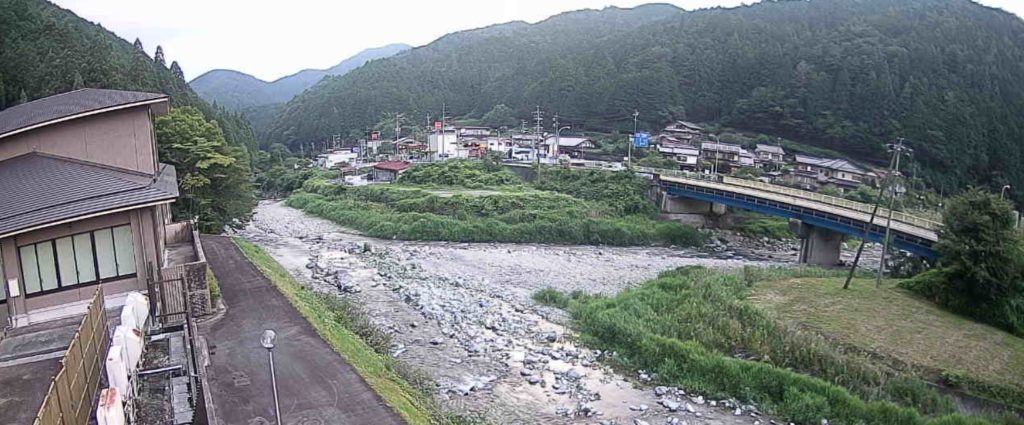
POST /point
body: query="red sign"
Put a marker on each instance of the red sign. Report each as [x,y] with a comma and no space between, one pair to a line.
[437,125]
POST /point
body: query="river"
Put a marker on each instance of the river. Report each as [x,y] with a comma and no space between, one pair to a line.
[463,314]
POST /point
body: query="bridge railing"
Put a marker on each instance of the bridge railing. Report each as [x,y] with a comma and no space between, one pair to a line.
[813,196]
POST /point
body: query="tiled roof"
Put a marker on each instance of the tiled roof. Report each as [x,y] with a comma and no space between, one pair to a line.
[392,165]
[67,105]
[770,149]
[38,189]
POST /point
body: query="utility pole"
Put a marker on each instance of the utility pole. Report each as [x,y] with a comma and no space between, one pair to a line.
[898,149]
[867,226]
[538,116]
[553,150]
[629,149]
[442,138]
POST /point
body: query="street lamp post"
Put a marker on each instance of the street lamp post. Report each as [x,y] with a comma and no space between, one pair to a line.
[267,341]
[1002,192]
[554,149]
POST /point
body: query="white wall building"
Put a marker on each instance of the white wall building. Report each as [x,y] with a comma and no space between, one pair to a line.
[445,144]
[334,159]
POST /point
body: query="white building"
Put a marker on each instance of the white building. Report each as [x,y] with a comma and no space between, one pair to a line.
[686,156]
[445,144]
[335,159]
[500,144]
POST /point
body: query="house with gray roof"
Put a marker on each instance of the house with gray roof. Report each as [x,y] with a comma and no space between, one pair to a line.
[84,201]
[813,172]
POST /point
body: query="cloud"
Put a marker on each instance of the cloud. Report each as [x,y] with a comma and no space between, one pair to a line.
[271,39]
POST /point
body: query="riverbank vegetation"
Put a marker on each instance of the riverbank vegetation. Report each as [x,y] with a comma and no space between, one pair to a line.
[469,202]
[981,273]
[905,332]
[348,330]
[694,328]
[756,225]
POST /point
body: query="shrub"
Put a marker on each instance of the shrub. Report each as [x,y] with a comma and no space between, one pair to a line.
[982,266]
[409,213]
[690,325]
[472,174]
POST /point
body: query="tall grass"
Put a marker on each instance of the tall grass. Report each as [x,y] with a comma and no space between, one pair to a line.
[693,328]
[397,212]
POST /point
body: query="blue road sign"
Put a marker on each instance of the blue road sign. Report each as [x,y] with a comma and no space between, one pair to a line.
[642,140]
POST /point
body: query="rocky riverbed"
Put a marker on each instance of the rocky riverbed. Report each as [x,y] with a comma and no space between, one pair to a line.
[463,314]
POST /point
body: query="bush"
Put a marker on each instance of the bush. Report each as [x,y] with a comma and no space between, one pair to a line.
[981,271]
[622,191]
[459,172]
[412,213]
[690,325]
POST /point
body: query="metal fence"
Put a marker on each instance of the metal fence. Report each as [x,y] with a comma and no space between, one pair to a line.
[72,390]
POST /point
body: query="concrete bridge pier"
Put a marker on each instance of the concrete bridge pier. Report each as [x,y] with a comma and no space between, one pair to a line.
[818,246]
[692,211]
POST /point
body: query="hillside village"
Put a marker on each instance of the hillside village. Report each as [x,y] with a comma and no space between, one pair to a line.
[686,147]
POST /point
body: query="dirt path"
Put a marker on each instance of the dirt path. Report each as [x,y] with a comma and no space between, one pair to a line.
[463,314]
[316,386]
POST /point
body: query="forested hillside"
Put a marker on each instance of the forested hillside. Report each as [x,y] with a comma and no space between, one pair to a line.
[240,91]
[45,50]
[848,75]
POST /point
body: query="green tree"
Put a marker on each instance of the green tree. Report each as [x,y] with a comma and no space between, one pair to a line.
[213,176]
[499,115]
[158,57]
[22,97]
[982,265]
[78,83]
[176,71]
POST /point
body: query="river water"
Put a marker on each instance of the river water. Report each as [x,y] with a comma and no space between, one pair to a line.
[463,314]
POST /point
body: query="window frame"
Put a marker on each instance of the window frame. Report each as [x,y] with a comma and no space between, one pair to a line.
[61,286]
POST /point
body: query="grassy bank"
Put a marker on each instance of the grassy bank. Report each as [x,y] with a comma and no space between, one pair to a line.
[907,331]
[759,226]
[346,328]
[694,328]
[610,210]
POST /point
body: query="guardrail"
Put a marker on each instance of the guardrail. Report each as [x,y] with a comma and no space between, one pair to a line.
[812,196]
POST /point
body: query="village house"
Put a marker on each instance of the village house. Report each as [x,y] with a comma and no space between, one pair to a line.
[389,171]
[84,201]
[813,172]
[473,131]
[724,156]
[444,144]
[573,146]
[336,158]
[770,156]
[686,156]
[503,145]
[684,131]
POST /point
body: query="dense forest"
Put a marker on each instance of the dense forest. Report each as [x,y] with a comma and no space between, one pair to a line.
[45,50]
[848,75]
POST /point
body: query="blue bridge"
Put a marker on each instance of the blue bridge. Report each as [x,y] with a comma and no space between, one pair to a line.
[823,220]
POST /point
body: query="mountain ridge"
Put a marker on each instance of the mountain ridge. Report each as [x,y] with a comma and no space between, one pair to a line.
[847,75]
[237,90]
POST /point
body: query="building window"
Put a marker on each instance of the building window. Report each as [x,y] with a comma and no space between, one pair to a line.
[78,259]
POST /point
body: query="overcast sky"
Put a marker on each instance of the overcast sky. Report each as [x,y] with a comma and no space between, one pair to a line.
[271,39]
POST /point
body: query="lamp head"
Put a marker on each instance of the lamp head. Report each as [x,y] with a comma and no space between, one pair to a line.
[268,338]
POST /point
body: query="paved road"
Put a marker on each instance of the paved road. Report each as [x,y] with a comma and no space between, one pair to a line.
[316,386]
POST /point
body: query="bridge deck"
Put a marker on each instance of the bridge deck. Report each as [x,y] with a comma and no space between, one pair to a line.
[880,218]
